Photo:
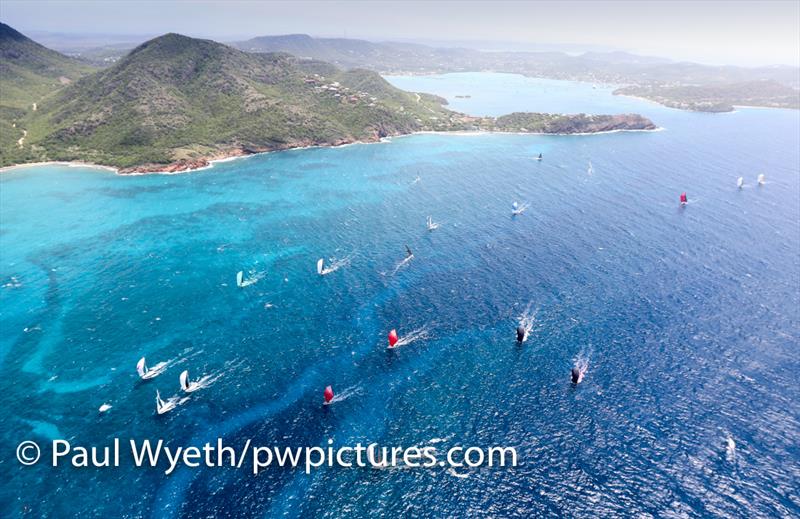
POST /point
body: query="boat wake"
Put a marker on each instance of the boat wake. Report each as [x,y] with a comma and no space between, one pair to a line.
[165,406]
[334,265]
[252,278]
[403,264]
[730,448]
[147,373]
[518,209]
[526,320]
[414,335]
[345,394]
[580,367]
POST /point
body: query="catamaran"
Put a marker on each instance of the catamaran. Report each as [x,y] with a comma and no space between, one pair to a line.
[432,225]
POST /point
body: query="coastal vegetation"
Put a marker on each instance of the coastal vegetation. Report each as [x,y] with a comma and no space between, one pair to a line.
[174,103]
[683,85]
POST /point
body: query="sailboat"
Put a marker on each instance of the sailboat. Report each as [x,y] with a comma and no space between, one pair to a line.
[146,373]
[740,182]
[590,171]
[684,200]
[240,279]
[432,225]
[186,385]
[320,267]
[518,209]
[762,179]
[538,158]
[409,254]
[393,338]
[162,406]
[328,395]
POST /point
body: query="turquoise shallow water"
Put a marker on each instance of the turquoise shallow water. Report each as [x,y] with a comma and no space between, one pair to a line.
[688,318]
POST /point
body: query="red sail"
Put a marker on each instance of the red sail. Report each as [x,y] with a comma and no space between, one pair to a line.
[683,198]
[328,394]
[393,338]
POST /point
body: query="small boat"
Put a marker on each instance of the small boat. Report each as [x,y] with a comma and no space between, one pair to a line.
[740,182]
[393,338]
[590,171]
[328,394]
[762,179]
[240,279]
[518,209]
[684,200]
[105,407]
[538,158]
[162,406]
[432,225]
[320,265]
[186,385]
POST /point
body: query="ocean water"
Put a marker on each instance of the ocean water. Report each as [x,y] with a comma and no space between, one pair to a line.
[687,317]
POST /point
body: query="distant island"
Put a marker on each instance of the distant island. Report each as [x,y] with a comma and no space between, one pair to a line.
[175,103]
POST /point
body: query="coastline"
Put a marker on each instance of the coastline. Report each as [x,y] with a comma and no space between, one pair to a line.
[211,160]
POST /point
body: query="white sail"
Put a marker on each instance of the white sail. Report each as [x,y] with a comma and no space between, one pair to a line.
[162,406]
[320,264]
[590,171]
[740,182]
[761,179]
[141,368]
[240,279]
[431,224]
[105,407]
[185,380]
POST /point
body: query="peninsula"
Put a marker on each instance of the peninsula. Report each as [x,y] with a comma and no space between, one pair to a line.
[175,103]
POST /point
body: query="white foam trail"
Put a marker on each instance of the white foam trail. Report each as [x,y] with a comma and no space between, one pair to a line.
[402,264]
[527,319]
[520,209]
[730,448]
[414,335]
[335,265]
[452,472]
[253,278]
[345,394]
[156,370]
[582,363]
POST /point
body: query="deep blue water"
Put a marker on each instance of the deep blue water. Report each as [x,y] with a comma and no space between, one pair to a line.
[688,318]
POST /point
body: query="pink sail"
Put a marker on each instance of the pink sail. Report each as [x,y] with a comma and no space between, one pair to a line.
[684,200]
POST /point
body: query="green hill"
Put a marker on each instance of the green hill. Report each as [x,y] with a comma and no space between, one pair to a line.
[176,98]
[29,72]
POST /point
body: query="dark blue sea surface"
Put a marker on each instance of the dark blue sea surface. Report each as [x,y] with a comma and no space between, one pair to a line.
[688,319]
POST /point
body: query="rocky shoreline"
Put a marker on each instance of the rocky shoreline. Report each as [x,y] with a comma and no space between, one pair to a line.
[537,124]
